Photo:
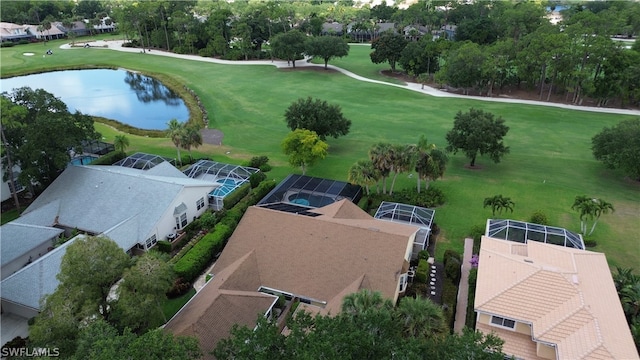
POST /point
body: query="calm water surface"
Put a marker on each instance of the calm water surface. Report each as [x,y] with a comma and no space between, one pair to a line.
[122,95]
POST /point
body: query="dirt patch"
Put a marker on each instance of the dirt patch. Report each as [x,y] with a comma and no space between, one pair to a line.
[212,136]
[474,167]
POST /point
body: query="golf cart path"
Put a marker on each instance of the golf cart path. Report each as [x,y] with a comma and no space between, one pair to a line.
[117,45]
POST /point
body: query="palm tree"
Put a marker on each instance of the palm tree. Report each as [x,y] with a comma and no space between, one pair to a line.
[498,203]
[379,154]
[175,132]
[421,318]
[590,209]
[401,158]
[363,301]
[364,174]
[121,143]
[429,162]
[191,138]
[602,207]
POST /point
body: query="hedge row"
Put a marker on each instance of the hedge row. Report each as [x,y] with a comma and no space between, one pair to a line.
[232,199]
[195,260]
[422,271]
[109,158]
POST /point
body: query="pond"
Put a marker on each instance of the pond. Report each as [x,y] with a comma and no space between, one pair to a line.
[121,95]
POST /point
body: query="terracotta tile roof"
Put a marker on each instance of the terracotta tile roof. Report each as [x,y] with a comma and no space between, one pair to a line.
[322,258]
[514,343]
[566,294]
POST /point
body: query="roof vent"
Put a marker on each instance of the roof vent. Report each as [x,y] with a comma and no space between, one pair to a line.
[575,279]
[528,261]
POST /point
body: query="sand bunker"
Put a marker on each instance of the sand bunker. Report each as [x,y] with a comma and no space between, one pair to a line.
[28,54]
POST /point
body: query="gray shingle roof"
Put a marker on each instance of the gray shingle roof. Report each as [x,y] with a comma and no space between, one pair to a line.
[17,239]
[31,283]
[98,198]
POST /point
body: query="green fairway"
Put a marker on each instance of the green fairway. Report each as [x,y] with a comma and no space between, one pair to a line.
[549,164]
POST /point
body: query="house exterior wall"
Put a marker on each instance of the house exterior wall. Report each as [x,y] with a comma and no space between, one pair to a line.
[189,196]
[546,351]
[5,190]
[521,328]
[20,310]
[19,262]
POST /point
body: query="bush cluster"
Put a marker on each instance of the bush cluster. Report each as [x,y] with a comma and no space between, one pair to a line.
[539,217]
[196,259]
[452,264]
[422,271]
[109,158]
[164,246]
[256,178]
[232,199]
[470,321]
[179,288]
[429,198]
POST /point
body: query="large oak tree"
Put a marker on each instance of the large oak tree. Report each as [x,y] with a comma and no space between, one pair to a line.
[478,133]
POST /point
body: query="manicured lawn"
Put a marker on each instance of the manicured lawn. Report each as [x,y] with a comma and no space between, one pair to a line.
[549,164]
[171,306]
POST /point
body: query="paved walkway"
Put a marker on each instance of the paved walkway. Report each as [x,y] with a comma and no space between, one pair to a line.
[117,45]
[463,289]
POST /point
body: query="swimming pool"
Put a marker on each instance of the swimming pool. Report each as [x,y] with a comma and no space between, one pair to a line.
[306,199]
[82,160]
[228,185]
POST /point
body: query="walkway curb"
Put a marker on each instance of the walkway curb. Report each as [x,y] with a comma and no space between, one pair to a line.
[463,288]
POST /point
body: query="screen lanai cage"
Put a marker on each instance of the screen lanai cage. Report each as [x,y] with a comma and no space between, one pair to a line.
[520,231]
[228,177]
[143,161]
[409,214]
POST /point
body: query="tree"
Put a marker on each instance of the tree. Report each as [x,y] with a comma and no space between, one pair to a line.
[327,47]
[289,46]
[99,283]
[590,209]
[463,66]
[304,148]
[143,286]
[363,173]
[429,162]
[498,203]
[101,341]
[121,143]
[477,132]
[618,147]
[421,318]
[176,132]
[387,48]
[41,156]
[318,116]
[12,115]
[401,160]
[379,154]
[89,269]
[191,137]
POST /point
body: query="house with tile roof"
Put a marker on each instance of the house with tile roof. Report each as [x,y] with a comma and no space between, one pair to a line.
[317,257]
[133,207]
[13,32]
[550,302]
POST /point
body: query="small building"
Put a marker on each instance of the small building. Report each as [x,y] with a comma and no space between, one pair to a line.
[13,32]
[550,302]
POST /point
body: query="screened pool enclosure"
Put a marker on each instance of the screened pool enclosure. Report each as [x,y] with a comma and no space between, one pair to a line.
[409,214]
[228,177]
[143,161]
[520,231]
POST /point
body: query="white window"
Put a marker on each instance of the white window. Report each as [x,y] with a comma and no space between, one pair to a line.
[151,241]
[15,186]
[200,203]
[181,221]
[502,322]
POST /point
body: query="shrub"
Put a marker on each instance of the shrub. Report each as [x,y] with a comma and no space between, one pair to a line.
[449,301]
[232,199]
[452,254]
[590,243]
[7,44]
[538,217]
[179,288]
[422,271]
[195,260]
[470,321]
[452,270]
[256,178]
[265,168]
[164,246]
[261,191]
[208,220]
[258,161]
[476,233]
[15,343]
[424,254]
[109,158]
